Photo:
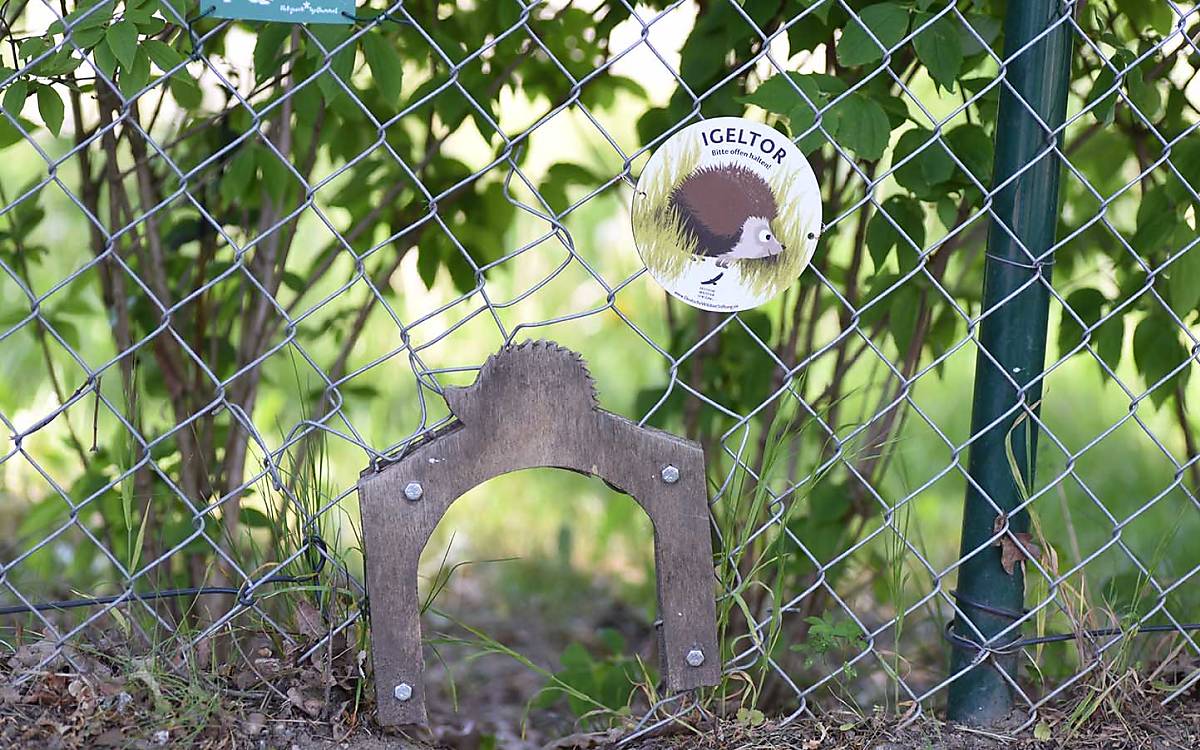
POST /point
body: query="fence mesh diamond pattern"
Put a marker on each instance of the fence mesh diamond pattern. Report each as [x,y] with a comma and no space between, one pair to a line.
[240,261]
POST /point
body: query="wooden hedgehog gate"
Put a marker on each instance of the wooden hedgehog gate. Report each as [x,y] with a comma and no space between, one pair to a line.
[534,405]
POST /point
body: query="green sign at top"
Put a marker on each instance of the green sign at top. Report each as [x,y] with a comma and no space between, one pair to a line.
[286,11]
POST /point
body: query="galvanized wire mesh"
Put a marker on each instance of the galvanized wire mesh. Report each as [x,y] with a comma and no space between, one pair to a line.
[358,266]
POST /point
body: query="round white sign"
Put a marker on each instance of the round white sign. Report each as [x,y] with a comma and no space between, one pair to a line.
[726,214]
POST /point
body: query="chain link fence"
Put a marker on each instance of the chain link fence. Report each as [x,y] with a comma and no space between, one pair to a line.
[241,261]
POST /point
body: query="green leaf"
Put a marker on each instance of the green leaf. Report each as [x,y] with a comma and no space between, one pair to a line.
[1144,14]
[122,38]
[85,39]
[68,331]
[50,105]
[947,211]
[34,46]
[903,306]
[929,168]
[940,49]
[342,62]
[386,65]
[1088,304]
[60,63]
[750,717]
[799,121]
[778,94]
[1144,95]
[558,178]
[882,236]
[253,518]
[885,22]
[87,11]
[810,32]
[1157,352]
[1041,731]
[185,90]
[830,86]
[894,106]
[9,134]
[135,77]
[984,29]
[575,658]
[1185,157]
[612,640]
[268,49]
[1104,93]
[1183,280]
[428,262]
[1109,342]
[460,270]
[105,60]
[1157,218]
[148,24]
[275,175]
[862,126]
[163,55]
[173,10]
[14,96]
[973,148]
[239,175]
[1104,89]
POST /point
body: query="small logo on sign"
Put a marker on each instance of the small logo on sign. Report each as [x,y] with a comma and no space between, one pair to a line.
[293,11]
[726,214]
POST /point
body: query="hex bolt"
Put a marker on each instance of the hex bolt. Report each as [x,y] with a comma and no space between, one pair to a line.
[670,475]
[695,657]
[413,491]
[402,692]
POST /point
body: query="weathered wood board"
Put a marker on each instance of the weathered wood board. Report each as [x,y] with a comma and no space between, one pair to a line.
[534,405]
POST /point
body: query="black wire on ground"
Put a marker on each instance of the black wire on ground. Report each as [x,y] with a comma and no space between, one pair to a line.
[149,596]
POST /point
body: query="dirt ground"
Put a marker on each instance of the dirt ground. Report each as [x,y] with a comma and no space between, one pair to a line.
[60,714]
[1148,726]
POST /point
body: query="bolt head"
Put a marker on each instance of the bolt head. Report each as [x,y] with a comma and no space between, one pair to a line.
[413,491]
[695,657]
[670,474]
[402,692]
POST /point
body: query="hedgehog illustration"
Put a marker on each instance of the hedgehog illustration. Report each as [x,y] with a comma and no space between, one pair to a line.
[728,209]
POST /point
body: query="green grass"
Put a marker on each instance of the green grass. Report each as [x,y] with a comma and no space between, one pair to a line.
[657,227]
[769,276]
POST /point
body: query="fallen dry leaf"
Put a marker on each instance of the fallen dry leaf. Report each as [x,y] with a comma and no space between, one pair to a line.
[309,704]
[308,620]
[1013,552]
[33,654]
[268,667]
[114,737]
[254,725]
[50,692]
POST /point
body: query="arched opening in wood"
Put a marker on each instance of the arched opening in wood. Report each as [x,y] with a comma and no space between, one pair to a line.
[534,406]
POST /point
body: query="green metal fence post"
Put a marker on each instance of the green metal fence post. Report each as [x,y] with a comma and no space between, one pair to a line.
[1014,334]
